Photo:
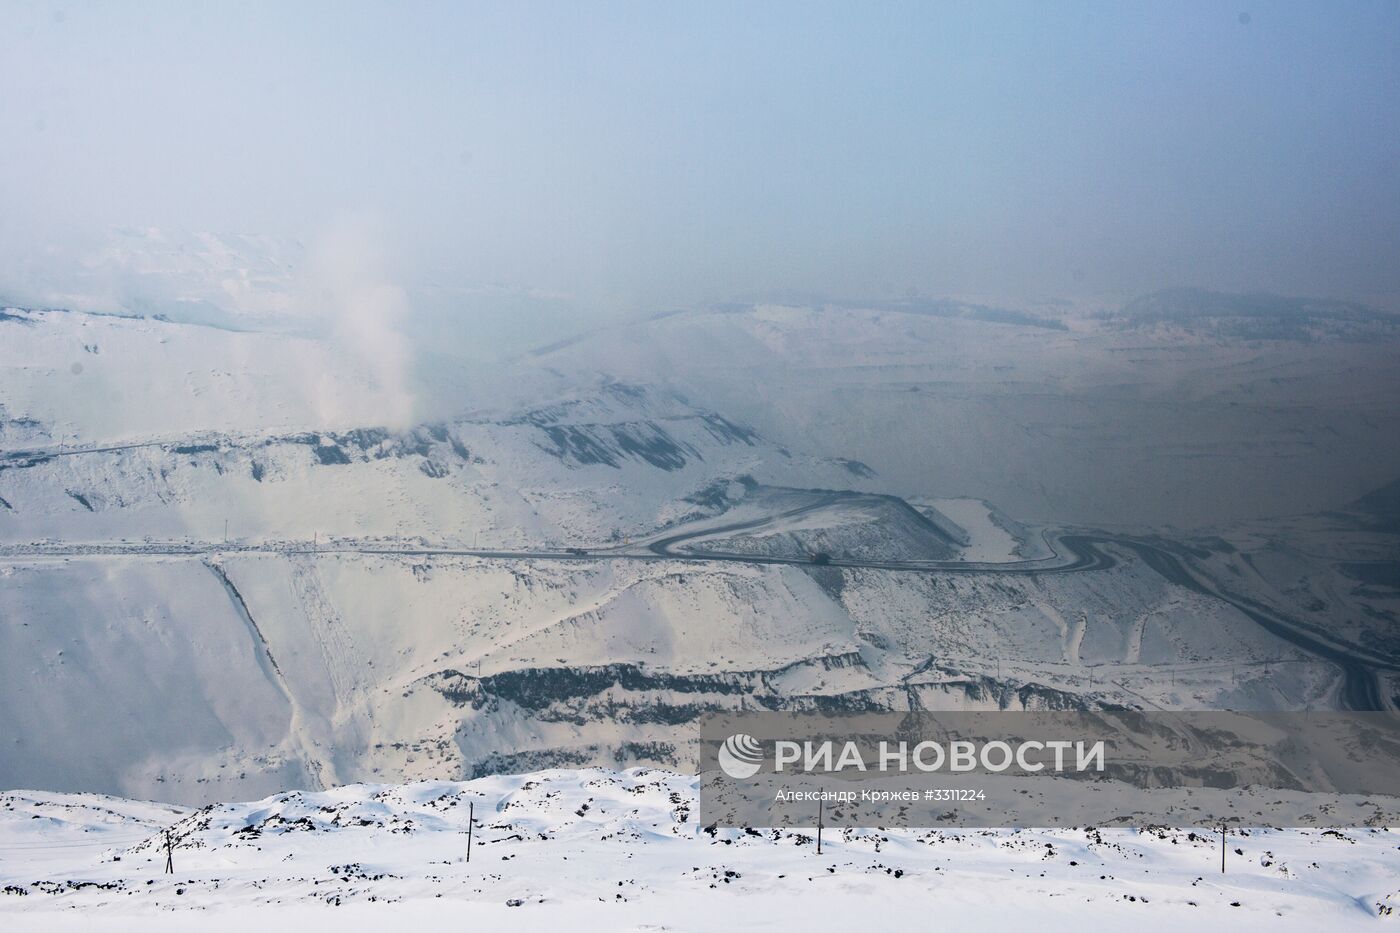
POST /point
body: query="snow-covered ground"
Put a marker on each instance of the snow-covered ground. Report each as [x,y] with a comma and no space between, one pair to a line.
[606,850]
[991,536]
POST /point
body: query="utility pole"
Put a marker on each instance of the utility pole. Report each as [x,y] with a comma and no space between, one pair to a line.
[169,854]
[819,826]
[1222,848]
[471,818]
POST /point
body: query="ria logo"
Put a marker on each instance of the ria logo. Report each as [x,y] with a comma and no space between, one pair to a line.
[740,756]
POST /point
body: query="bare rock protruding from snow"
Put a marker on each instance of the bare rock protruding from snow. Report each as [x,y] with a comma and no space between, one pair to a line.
[611,849]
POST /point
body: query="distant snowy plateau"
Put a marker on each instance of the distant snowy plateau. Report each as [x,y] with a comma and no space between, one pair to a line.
[231,566]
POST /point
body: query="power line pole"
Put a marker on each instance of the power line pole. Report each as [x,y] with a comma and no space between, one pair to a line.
[1222,848]
[169,854]
[819,826]
[471,818]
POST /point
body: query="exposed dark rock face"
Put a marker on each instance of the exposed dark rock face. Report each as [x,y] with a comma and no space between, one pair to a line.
[81,499]
[598,701]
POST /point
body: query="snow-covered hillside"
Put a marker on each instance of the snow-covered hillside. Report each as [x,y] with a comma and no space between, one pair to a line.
[88,379]
[1086,421]
[609,850]
[169,431]
[228,597]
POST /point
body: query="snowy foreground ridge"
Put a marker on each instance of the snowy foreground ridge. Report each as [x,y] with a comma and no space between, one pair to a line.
[609,850]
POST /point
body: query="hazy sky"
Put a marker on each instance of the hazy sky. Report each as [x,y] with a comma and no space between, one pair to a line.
[633,157]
